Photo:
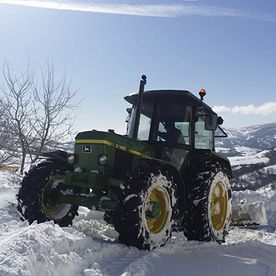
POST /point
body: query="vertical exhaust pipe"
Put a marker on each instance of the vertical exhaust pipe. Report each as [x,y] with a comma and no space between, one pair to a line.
[143,82]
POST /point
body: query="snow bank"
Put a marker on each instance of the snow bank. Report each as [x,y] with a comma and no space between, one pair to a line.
[9,184]
[9,181]
[266,195]
[47,249]
[91,247]
[249,213]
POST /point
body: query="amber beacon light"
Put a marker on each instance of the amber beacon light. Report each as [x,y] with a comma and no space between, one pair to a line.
[202,93]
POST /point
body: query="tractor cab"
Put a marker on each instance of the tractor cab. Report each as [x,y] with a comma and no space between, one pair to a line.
[193,121]
[196,120]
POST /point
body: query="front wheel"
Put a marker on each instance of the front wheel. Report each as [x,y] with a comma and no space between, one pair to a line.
[144,218]
[33,201]
[208,210]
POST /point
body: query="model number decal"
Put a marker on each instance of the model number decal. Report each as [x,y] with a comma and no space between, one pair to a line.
[121,147]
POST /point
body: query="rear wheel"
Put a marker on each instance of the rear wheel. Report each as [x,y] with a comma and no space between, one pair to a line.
[34,202]
[144,218]
[208,210]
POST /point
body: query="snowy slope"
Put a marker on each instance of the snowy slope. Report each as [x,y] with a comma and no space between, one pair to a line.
[249,157]
[257,137]
[90,247]
[252,154]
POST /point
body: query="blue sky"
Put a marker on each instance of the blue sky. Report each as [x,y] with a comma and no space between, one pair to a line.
[227,47]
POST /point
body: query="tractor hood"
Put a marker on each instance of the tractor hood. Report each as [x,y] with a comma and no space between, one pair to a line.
[117,141]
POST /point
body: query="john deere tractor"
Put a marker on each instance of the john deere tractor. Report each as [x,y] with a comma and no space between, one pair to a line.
[162,176]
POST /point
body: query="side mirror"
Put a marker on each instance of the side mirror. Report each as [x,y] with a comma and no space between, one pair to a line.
[211,122]
[129,110]
[220,121]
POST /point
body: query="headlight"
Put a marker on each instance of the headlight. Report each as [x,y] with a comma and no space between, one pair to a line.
[71,159]
[102,159]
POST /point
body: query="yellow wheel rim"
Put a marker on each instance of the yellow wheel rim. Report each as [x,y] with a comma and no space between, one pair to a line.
[218,206]
[157,210]
[54,211]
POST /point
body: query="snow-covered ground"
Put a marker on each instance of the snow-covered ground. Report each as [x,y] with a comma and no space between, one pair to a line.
[90,247]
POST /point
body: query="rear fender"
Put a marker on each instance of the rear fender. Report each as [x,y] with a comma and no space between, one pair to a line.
[157,163]
[56,155]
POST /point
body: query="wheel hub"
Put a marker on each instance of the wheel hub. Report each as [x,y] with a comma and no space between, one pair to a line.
[154,210]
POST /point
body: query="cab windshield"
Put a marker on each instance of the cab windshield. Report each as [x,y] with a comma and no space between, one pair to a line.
[154,117]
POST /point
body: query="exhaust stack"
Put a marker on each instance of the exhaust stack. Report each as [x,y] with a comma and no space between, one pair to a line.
[143,82]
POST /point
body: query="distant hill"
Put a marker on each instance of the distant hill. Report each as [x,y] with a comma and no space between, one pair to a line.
[252,153]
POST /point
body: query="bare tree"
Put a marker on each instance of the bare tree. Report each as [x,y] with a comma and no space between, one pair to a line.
[53,109]
[39,112]
[6,140]
[16,106]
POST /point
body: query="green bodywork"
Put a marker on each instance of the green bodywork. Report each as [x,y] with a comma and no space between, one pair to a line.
[95,183]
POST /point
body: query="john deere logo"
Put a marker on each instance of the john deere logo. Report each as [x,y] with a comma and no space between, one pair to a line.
[86,149]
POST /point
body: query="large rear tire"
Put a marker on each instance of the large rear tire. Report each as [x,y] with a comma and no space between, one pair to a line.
[208,205]
[144,218]
[32,203]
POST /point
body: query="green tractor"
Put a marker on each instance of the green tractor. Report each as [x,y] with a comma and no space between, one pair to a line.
[162,176]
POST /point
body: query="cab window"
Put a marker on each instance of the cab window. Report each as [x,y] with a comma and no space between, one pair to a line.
[204,139]
[144,127]
[181,115]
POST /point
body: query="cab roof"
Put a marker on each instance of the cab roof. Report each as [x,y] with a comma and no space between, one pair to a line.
[171,95]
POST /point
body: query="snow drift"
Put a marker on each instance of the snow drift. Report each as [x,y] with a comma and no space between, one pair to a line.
[90,247]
